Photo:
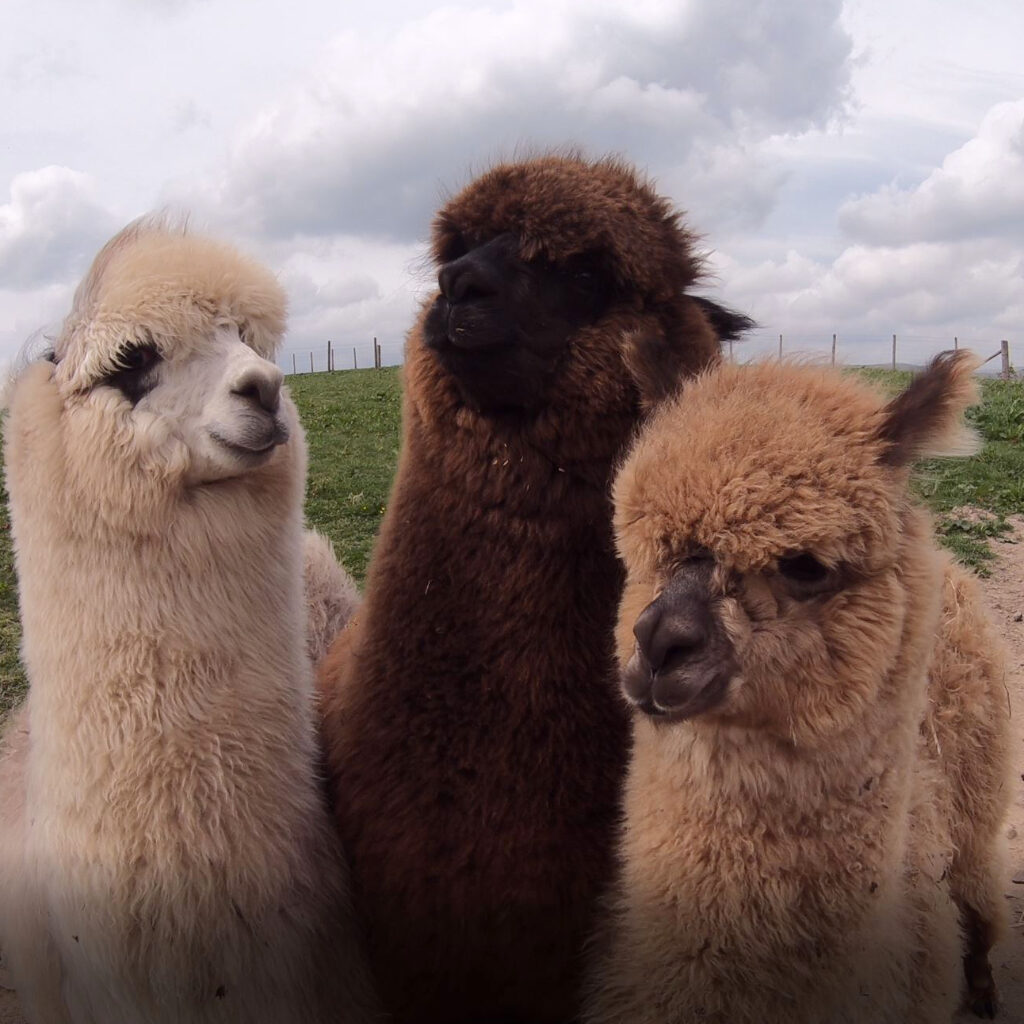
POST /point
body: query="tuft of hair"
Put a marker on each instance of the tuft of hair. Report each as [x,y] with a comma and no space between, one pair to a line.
[36,347]
[156,280]
[659,365]
[728,324]
[926,419]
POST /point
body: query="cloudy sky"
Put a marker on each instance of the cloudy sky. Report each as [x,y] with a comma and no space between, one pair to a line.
[854,166]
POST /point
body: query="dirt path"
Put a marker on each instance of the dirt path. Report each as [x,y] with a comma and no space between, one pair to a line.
[1004,592]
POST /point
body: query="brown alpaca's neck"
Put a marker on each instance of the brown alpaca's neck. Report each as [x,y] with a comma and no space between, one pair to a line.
[474,466]
[529,462]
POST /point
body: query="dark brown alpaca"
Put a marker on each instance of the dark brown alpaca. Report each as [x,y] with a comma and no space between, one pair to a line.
[475,735]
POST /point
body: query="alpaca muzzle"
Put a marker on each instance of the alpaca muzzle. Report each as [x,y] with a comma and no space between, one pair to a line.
[683,660]
[468,313]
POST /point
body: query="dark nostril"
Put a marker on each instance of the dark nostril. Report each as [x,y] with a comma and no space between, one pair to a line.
[645,625]
[678,654]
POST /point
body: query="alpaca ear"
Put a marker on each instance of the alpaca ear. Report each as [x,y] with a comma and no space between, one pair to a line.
[927,418]
[659,362]
[725,322]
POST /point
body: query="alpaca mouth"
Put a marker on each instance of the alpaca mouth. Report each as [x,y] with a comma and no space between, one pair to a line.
[683,695]
[253,442]
[469,327]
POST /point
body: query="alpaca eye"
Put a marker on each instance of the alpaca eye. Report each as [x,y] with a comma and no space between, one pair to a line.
[131,373]
[136,358]
[805,575]
[587,286]
[803,568]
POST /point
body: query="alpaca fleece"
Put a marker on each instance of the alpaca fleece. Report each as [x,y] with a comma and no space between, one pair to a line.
[474,735]
[332,596]
[166,853]
[820,842]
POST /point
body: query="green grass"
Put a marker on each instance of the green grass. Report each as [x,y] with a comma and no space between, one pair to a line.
[968,537]
[992,480]
[12,678]
[352,428]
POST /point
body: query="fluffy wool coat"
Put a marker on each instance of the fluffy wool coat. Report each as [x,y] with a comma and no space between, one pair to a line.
[809,849]
[167,855]
[475,737]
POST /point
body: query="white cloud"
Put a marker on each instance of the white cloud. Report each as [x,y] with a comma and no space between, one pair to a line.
[370,140]
[978,192]
[974,289]
[348,289]
[323,140]
[940,258]
[51,227]
[188,114]
[32,317]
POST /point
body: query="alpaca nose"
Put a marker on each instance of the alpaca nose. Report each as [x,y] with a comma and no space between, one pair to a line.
[479,274]
[672,629]
[684,660]
[260,385]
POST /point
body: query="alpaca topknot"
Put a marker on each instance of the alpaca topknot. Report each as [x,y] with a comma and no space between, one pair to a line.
[155,281]
[759,469]
[563,205]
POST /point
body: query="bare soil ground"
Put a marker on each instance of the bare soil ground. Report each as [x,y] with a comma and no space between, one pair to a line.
[1004,592]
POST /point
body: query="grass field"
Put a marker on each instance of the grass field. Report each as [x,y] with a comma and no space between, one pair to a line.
[352,427]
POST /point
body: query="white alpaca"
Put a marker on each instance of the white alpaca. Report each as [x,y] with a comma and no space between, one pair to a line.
[166,850]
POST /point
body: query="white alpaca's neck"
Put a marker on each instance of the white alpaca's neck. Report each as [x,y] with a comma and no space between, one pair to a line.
[140,650]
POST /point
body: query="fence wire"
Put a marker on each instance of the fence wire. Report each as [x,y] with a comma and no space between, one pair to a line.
[899,351]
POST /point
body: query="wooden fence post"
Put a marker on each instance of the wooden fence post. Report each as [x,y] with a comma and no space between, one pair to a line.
[330,357]
[894,351]
[310,362]
[833,350]
[1004,347]
[780,346]
[293,364]
[956,342]
[376,355]
[355,362]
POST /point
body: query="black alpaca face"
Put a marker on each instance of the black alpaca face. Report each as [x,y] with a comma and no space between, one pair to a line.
[501,323]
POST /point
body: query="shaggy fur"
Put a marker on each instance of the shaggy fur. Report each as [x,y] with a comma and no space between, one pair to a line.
[806,814]
[474,734]
[166,853]
[332,596]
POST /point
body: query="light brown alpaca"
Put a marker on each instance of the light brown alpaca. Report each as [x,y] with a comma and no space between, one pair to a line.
[165,849]
[811,823]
